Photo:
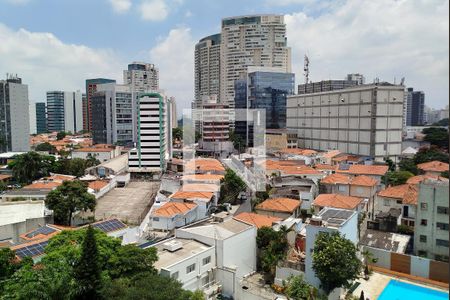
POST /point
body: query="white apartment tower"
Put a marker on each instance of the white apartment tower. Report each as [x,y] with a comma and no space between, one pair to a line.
[363,120]
[64,111]
[207,68]
[142,77]
[14,115]
[258,40]
[151,152]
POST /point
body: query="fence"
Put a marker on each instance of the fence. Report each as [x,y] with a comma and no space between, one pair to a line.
[411,265]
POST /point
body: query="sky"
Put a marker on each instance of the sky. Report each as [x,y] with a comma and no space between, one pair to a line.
[58,44]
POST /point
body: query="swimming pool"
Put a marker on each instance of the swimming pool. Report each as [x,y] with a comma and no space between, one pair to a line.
[398,290]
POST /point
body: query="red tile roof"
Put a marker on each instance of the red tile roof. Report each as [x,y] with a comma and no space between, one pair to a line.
[363,180]
[336,179]
[433,166]
[324,167]
[365,170]
[419,178]
[192,195]
[97,185]
[280,205]
[408,193]
[257,220]
[50,185]
[337,201]
[296,151]
[174,208]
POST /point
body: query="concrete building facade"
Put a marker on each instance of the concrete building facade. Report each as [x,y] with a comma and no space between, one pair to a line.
[257,40]
[415,108]
[64,111]
[142,77]
[32,112]
[364,120]
[14,113]
[91,88]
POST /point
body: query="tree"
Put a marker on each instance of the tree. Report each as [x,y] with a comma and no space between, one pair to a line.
[68,198]
[431,154]
[443,122]
[147,286]
[61,135]
[390,163]
[408,165]
[77,167]
[238,141]
[231,186]
[444,174]
[273,245]
[436,136]
[335,261]
[177,133]
[298,289]
[46,147]
[398,177]
[130,260]
[91,161]
[87,271]
[30,166]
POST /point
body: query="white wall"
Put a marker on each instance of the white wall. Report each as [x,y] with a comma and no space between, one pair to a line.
[32,112]
[101,156]
[20,117]
[170,223]
[14,212]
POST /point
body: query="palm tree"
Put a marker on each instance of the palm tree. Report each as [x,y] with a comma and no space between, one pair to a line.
[27,167]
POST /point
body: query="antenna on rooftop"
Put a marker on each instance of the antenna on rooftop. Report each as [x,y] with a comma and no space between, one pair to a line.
[306,69]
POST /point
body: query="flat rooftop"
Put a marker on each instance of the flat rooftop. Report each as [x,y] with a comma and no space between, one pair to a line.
[220,231]
[389,241]
[335,217]
[127,204]
[189,248]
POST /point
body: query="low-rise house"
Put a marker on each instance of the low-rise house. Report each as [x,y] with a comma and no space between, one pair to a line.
[204,166]
[112,167]
[326,157]
[325,168]
[389,241]
[258,220]
[202,187]
[102,152]
[279,207]
[338,201]
[202,178]
[296,188]
[419,178]
[203,200]
[402,197]
[297,168]
[433,168]
[386,221]
[172,215]
[306,155]
[374,171]
[431,234]
[100,187]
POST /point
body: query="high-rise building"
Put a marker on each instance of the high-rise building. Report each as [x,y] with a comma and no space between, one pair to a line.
[173,112]
[85,112]
[267,89]
[91,88]
[207,68]
[151,152]
[415,107]
[258,40]
[32,112]
[14,115]
[359,78]
[142,77]
[364,120]
[41,118]
[64,111]
[325,86]
[115,110]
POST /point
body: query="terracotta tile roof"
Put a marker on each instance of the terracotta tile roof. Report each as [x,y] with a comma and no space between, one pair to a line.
[363,180]
[296,151]
[300,170]
[336,179]
[279,164]
[365,170]
[200,187]
[4,177]
[433,166]
[204,164]
[93,149]
[324,167]
[337,201]
[174,208]
[192,195]
[406,192]
[331,154]
[50,185]
[257,220]
[419,178]
[97,185]
[200,177]
[280,205]
[61,177]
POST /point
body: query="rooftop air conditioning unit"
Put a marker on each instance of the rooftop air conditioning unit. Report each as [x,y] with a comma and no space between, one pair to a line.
[173,246]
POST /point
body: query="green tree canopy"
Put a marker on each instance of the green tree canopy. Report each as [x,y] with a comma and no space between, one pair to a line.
[408,165]
[398,177]
[30,166]
[298,289]
[443,122]
[177,133]
[46,147]
[231,186]
[335,261]
[68,198]
[61,135]
[436,136]
[273,245]
[130,261]
[431,154]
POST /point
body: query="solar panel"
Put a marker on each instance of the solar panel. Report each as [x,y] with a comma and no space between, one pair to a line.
[109,225]
[32,250]
[41,230]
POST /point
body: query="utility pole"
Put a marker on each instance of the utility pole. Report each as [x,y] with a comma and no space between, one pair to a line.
[306,69]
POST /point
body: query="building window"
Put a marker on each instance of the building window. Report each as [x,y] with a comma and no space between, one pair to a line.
[422,253]
[156,219]
[423,238]
[442,243]
[174,275]
[423,206]
[443,258]
[205,280]
[424,222]
[206,260]
[442,210]
[386,202]
[342,188]
[190,268]
[442,226]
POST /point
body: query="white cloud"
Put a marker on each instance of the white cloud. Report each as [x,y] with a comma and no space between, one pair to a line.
[382,38]
[120,6]
[46,63]
[154,10]
[175,58]
[188,14]
[287,2]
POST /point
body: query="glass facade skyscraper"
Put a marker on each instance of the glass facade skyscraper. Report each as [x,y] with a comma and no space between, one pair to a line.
[41,118]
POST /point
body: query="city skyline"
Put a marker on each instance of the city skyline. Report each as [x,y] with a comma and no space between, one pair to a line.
[43,41]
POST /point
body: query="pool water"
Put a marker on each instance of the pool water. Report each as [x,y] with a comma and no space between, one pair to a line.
[397,290]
